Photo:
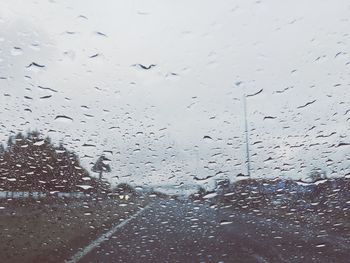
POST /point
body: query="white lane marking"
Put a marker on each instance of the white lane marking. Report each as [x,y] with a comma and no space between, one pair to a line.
[80,254]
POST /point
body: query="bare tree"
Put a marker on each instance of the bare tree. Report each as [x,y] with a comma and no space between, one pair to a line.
[101,166]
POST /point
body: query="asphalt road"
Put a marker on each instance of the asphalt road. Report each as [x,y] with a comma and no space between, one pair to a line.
[174,231]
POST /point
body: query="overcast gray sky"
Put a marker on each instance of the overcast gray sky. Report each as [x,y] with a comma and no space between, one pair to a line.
[154,120]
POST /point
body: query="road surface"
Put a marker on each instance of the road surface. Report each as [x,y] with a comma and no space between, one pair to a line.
[182,231]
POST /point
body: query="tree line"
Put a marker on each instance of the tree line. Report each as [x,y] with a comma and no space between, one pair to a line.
[31,162]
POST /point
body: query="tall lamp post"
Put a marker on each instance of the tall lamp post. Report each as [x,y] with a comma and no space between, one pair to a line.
[245,128]
[246,133]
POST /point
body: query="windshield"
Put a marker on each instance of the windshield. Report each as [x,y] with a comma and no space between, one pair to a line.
[174,131]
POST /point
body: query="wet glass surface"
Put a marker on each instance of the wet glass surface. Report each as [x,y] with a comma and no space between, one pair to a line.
[174,131]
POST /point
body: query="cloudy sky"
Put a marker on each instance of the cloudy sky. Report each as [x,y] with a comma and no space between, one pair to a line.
[183,118]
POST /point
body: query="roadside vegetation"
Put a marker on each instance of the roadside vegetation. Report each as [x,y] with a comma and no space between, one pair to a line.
[321,203]
[51,206]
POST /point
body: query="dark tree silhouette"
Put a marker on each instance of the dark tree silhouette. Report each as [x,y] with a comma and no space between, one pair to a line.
[2,149]
[101,166]
[32,163]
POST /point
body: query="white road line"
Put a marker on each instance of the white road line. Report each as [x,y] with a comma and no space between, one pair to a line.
[80,254]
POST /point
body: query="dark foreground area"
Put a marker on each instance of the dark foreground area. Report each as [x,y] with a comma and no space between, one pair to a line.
[246,221]
[183,231]
[52,229]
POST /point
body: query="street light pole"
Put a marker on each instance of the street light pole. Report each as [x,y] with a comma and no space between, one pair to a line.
[238,83]
[246,132]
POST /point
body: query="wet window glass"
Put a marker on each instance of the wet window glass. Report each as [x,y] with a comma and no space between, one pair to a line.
[175,131]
